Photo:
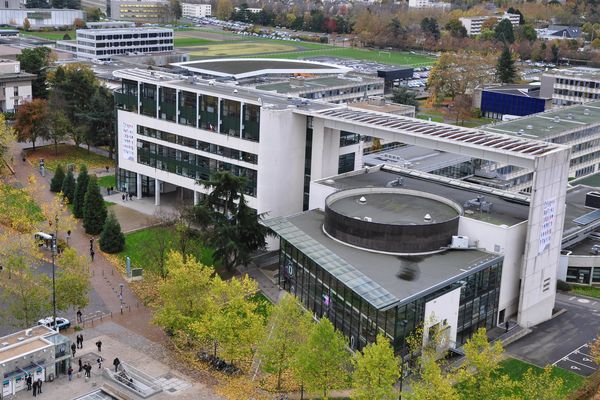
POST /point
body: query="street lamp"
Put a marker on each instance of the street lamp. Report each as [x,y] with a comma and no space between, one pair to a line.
[54,251]
[403,323]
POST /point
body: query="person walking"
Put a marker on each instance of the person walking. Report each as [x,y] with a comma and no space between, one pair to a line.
[99,345]
[80,366]
[73,348]
[99,360]
[80,339]
[35,388]
[116,363]
[70,373]
[79,316]
[39,381]
[28,381]
[123,197]
[88,370]
[91,244]
[92,254]
[506,326]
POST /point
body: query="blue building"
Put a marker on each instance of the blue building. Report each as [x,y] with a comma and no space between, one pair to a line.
[499,101]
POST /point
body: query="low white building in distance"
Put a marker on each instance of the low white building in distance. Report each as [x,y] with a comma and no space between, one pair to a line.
[95,4]
[196,10]
[147,11]
[473,24]
[15,86]
[428,4]
[40,17]
[568,86]
[103,44]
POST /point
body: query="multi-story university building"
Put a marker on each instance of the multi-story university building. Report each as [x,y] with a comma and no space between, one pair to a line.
[196,10]
[105,43]
[15,85]
[150,11]
[429,4]
[571,85]
[473,24]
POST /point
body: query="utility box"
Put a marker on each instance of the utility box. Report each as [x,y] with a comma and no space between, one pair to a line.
[460,242]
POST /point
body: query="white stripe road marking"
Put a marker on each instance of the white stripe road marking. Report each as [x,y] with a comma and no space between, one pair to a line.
[567,356]
[583,365]
[572,298]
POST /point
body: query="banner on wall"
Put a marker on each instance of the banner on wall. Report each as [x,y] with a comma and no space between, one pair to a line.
[128,140]
[548,219]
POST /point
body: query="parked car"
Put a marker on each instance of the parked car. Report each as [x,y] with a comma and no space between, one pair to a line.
[61,322]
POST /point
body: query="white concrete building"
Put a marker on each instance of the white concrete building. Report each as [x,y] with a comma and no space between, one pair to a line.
[473,24]
[196,10]
[103,44]
[145,11]
[568,86]
[40,17]
[429,4]
[15,86]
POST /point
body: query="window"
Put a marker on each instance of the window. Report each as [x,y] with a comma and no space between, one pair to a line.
[348,138]
[346,163]
[16,90]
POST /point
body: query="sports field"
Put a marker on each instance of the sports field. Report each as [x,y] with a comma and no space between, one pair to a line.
[244,48]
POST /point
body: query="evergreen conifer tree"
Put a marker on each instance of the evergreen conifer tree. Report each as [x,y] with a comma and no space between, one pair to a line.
[94,210]
[505,69]
[112,239]
[80,189]
[57,179]
[68,186]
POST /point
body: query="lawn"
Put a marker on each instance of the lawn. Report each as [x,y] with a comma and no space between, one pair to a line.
[387,57]
[57,35]
[428,117]
[67,154]
[240,48]
[140,246]
[516,368]
[107,181]
[590,291]
[190,42]
[15,203]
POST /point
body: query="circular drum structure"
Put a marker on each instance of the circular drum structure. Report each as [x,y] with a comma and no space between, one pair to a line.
[391,220]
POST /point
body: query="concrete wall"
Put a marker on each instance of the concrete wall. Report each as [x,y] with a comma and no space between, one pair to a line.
[40,18]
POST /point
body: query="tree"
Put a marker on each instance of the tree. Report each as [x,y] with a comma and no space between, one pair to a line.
[57,179]
[506,71]
[480,376]
[99,119]
[376,371]
[60,129]
[462,106]
[94,210]
[7,136]
[596,43]
[184,293]
[555,51]
[175,9]
[288,328]
[234,326]
[403,95]
[595,350]
[36,61]
[456,28]
[322,362]
[528,32]
[80,190]
[224,9]
[504,32]
[26,24]
[78,23]
[434,383]
[31,121]
[112,239]
[68,186]
[94,14]
[430,26]
[72,280]
[541,385]
[66,36]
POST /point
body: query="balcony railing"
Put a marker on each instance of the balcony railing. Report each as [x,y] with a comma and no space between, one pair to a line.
[126,102]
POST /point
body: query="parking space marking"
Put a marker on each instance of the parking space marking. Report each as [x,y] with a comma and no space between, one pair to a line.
[578,360]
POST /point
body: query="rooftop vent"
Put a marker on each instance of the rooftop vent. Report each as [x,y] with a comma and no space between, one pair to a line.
[586,111]
[569,116]
[556,119]
[529,126]
[521,132]
[4,344]
[28,332]
[330,181]
[368,219]
[362,200]
[20,338]
[427,218]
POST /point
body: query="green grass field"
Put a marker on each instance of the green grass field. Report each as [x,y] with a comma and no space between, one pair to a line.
[190,42]
[243,48]
[67,154]
[590,291]
[15,203]
[58,35]
[139,247]
[107,181]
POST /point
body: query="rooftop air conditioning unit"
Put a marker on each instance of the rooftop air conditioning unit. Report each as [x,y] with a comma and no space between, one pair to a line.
[460,242]
[368,219]
[592,199]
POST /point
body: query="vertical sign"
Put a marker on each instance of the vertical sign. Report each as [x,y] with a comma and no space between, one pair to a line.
[549,216]
[128,140]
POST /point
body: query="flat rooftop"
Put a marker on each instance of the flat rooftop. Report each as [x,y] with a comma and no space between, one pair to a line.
[584,248]
[374,276]
[23,348]
[576,72]
[311,85]
[545,125]
[505,211]
[36,331]
[415,157]
[247,67]
[112,31]
[530,91]
[393,208]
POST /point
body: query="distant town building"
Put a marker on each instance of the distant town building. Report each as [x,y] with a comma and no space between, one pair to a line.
[473,24]
[12,4]
[95,4]
[559,32]
[196,10]
[150,11]
[103,44]
[250,10]
[428,4]
[571,85]
[40,17]
[501,101]
[15,86]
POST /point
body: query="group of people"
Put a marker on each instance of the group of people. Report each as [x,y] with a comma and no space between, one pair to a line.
[126,196]
[35,385]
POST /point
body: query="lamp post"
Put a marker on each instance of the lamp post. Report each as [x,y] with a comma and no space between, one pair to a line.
[54,250]
[404,322]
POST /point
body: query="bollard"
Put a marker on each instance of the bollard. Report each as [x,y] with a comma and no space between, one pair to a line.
[112,271]
[121,309]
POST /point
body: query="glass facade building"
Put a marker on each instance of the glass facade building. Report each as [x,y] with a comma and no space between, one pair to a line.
[326,296]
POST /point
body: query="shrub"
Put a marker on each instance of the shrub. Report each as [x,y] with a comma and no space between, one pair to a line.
[94,209]
[563,286]
[112,239]
[57,179]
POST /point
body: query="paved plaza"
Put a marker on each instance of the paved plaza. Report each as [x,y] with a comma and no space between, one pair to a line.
[132,349]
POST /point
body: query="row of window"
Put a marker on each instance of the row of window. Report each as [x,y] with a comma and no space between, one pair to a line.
[583,274]
[198,145]
[124,36]
[585,158]
[574,136]
[124,44]
[586,145]
[339,92]
[575,82]
[567,92]
[348,138]
[190,165]
[585,171]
